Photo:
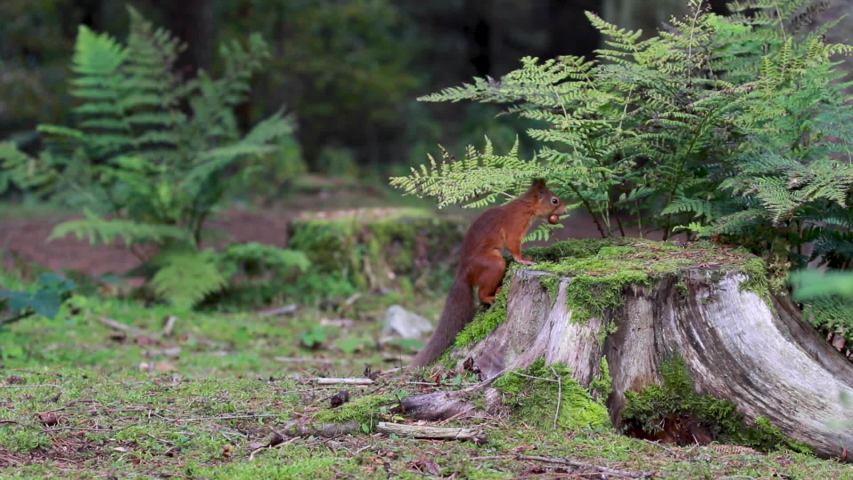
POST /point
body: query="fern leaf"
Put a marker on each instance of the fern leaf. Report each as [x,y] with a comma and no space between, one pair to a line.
[186,277]
[542,233]
[100,231]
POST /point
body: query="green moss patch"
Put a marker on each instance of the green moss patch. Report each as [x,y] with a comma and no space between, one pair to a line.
[363,410]
[601,269]
[603,385]
[487,319]
[675,401]
[537,393]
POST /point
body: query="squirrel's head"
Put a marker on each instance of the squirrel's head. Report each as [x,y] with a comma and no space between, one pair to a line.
[545,201]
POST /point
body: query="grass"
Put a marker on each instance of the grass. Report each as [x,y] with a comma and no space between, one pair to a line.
[225,395]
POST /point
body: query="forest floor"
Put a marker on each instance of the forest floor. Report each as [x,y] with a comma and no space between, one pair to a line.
[78,399]
[108,390]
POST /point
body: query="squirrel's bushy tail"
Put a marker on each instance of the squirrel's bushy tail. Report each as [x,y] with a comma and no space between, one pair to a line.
[458,311]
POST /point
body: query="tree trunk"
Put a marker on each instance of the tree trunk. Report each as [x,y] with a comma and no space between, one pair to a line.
[479,30]
[569,31]
[736,346]
[645,15]
[192,21]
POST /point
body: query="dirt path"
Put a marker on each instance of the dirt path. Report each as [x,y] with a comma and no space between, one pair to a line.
[27,237]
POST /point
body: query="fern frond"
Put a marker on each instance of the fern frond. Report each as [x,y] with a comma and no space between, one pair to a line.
[830,313]
[187,277]
[19,169]
[100,231]
[479,173]
[543,231]
[697,206]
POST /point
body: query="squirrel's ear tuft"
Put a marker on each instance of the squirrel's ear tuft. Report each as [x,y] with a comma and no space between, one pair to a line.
[538,184]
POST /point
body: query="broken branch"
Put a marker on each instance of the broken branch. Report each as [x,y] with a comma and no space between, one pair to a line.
[435,433]
[574,463]
[346,381]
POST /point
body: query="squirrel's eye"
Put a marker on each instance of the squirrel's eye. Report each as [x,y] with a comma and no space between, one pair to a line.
[554,200]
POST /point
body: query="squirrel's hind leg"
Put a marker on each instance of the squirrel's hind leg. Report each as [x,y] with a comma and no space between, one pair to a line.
[487,274]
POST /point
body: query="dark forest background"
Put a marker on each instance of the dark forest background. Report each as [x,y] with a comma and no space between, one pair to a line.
[350,70]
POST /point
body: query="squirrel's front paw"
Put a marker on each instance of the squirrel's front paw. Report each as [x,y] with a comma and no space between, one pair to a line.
[525,260]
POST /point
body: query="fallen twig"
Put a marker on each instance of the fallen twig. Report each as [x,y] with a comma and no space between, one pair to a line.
[559,396]
[304,360]
[173,352]
[536,378]
[10,460]
[116,325]
[285,310]
[223,417]
[454,417]
[86,429]
[17,318]
[53,411]
[352,299]
[299,428]
[169,325]
[440,405]
[574,463]
[38,385]
[346,381]
[435,433]
[266,447]
[441,385]
[339,322]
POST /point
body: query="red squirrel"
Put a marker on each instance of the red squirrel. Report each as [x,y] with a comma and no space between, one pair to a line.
[482,265]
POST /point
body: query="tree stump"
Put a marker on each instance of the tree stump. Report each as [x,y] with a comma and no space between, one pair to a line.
[639,304]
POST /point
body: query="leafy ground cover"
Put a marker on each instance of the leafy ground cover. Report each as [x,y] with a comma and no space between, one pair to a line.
[81,398]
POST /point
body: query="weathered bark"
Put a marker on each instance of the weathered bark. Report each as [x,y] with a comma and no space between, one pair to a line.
[736,347]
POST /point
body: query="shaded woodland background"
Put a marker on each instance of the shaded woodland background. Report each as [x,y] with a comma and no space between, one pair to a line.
[350,70]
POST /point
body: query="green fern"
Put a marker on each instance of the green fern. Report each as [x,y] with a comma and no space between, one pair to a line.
[477,173]
[542,232]
[184,278]
[146,172]
[828,299]
[791,171]
[704,127]
[832,314]
[20,170]
[100,231]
